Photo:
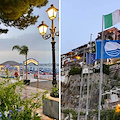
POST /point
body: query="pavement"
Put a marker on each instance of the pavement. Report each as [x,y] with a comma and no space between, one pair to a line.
[30,90]
[46,85]
[26,93]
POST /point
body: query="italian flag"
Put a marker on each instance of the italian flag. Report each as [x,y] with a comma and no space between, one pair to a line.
[111,19]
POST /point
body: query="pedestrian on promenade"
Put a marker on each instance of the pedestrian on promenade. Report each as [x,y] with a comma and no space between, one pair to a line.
[16,74]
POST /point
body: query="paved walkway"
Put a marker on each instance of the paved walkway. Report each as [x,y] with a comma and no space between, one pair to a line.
[34,90]
[42,85]
[26,94]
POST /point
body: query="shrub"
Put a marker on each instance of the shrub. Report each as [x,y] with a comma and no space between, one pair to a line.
[67,111]
[116,116]
[107,114]
[104,115]
[55,91]
[73,112]
[96,70]
[75,70]
[10,100]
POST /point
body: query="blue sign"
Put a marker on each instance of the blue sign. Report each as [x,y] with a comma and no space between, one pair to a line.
[111,49]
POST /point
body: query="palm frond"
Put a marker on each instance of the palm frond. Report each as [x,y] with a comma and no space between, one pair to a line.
[24,50]
[17,47]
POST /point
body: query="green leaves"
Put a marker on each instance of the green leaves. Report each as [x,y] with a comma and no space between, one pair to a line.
[19,13]
[75,70]
[10,100]
[14,9]
[22,50]
[55,91]
[16,47]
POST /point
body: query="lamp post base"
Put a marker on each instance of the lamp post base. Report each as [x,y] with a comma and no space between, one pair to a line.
[54,82]
[55,95]
[26,82]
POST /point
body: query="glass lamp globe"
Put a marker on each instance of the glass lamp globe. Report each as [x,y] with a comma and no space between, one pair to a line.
[42,28]
[52,12]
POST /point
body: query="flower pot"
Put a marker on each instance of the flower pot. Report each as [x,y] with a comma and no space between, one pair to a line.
[51,107]
[56,95]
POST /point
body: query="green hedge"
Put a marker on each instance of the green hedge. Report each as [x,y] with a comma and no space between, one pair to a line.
[75,70]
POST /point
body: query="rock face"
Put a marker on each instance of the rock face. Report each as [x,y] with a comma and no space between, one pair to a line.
[70,91]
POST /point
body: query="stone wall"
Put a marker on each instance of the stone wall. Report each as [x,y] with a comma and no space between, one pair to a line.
[71,90]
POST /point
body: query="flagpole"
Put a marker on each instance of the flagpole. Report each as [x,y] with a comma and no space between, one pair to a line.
[88,78]
[101,72]
[81,84]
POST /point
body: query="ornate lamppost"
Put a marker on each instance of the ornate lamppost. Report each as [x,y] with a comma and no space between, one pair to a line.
[52,12]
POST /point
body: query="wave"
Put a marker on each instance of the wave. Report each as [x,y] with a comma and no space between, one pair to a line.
[113,53]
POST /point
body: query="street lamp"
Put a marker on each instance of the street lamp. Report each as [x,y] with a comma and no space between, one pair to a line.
[52,12]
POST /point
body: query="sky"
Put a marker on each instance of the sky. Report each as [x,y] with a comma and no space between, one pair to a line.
[80,18]
[39,49]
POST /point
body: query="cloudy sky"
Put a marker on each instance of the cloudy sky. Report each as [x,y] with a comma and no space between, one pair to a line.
[39,48]
[80,18]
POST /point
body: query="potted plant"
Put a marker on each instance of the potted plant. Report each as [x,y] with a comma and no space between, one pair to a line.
[55,91]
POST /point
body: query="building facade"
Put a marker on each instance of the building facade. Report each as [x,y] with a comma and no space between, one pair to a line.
[76,56]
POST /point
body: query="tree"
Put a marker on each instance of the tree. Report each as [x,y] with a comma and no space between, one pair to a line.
[23,50]
[19,13]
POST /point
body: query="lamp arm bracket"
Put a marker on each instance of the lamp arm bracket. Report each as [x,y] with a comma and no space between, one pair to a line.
[56,33]
[46,36]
